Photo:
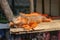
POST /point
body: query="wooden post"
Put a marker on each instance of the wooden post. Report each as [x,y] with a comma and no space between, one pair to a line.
[7,10]
[39,6]
[31,5]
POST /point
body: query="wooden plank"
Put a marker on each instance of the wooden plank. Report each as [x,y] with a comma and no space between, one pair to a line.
[39,6]
[42,27]
[31,5]
[55,7]
[46,6]
[49,25]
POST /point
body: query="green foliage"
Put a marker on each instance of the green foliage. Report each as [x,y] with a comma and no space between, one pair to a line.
[3,20]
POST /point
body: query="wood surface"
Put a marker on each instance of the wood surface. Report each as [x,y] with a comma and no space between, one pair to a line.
[54,25]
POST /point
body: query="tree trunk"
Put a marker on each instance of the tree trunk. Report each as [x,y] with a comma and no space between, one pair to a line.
[6,9]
